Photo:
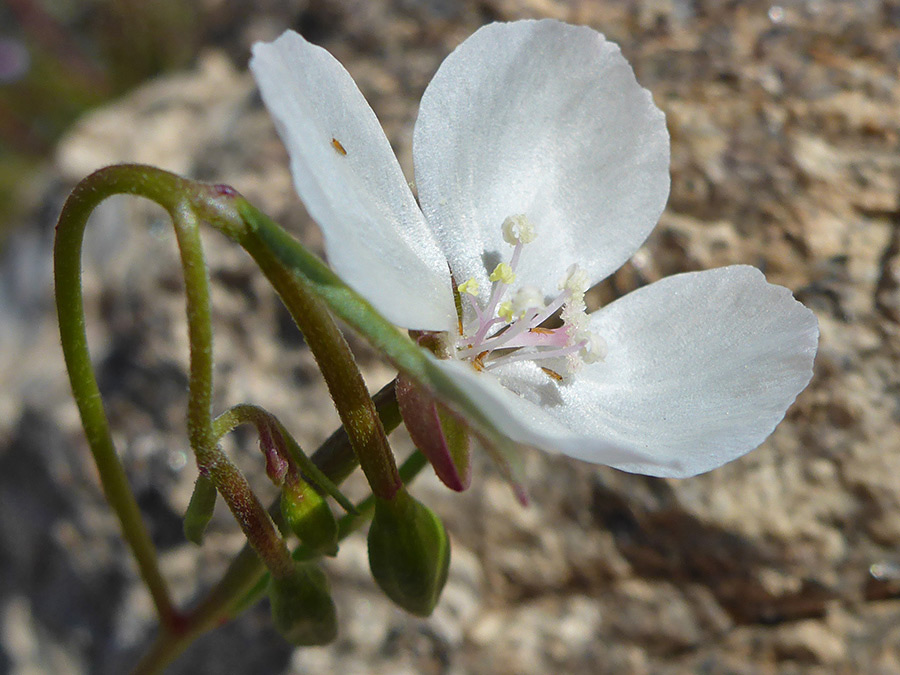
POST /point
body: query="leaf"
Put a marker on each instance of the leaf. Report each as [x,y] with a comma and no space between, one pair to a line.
[265,239]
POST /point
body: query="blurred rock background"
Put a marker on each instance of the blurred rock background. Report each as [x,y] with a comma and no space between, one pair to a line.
[785,124]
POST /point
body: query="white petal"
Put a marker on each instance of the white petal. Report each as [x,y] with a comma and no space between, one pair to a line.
[375,235]
[525,419]
[544,119]
[700,369]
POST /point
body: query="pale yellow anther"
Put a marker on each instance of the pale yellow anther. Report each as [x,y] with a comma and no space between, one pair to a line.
[518,230]
[527,297]
[503,273]
[470,287]
[505,311]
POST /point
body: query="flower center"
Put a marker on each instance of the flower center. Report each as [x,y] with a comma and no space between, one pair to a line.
[513,324]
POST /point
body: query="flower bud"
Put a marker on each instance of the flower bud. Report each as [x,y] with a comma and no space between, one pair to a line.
[200,509]
[437,433]
[272,446]
[409,553]
[308,515]
[302,608]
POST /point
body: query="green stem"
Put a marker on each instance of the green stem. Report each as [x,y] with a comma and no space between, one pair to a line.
[335,457]
[227,211]
[228,479]
[70,309]
[267,423]
[363,433]
[337,460]
[244,571]
[169,191]
[335,360]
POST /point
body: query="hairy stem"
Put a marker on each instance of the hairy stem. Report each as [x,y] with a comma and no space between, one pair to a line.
[362,440]
[70,309]
[333,356]
[171,192]
[337,460]
[228,479]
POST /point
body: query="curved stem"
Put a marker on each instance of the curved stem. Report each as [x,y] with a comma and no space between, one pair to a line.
[232,215]
[228,479]
[337,460]
[164,190]
[267,423]
[335,360]
[169,191]
[335,457]
[363,433]
[244,571]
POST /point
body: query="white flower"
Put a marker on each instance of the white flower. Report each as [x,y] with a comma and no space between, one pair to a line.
[541,167]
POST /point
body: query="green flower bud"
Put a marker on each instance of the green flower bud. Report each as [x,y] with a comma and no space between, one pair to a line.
[200,509]
[409,553]
[308,515]
[302,608]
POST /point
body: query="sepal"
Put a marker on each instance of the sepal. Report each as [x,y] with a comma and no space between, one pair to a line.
[302,608]
[200,509]
[308,515]
[409,553]
[441,436]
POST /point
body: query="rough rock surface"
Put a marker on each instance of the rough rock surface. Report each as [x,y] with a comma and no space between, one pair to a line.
[786,155]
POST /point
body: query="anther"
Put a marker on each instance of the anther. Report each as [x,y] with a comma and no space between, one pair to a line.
[503,273]
[508,328]
[470,287]
[527,298]
[518,230]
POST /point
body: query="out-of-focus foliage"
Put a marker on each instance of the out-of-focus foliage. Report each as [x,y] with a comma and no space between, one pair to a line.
[59,58]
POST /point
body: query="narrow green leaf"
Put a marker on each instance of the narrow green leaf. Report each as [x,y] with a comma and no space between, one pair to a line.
[200,509]
[264,237]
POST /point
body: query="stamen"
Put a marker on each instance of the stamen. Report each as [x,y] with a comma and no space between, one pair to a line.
[471,287]
[508,331]
[529,355]
[500,340]
[499,276]
[518,230]
[503,273]
[552,308]
[473,303]
[527,298]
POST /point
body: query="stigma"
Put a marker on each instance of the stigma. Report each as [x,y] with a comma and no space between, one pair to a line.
[515,322]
